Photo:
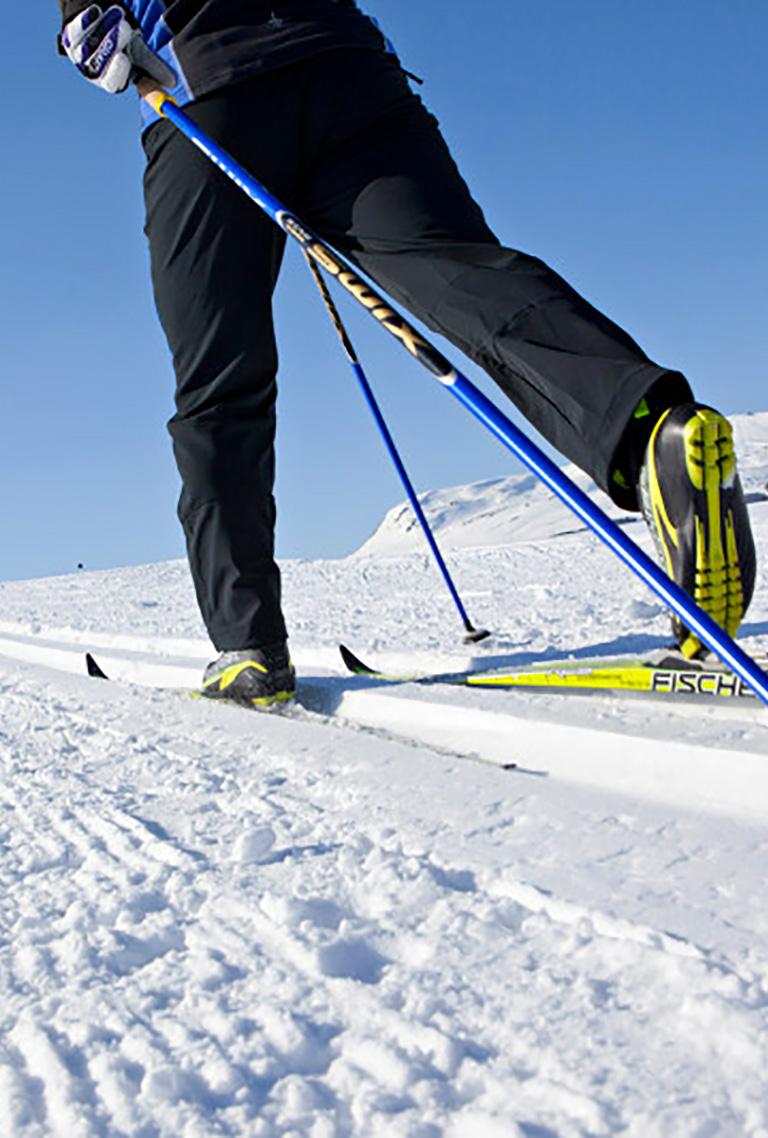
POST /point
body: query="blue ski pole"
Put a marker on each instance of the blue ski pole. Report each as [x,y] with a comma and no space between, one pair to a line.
[694,617]
[474,635]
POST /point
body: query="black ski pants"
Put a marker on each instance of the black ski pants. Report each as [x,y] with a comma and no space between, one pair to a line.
[343,141]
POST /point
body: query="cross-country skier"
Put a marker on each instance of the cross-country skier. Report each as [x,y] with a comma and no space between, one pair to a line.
[309,95]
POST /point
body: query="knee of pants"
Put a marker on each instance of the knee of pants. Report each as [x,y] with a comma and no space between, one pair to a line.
[230,460]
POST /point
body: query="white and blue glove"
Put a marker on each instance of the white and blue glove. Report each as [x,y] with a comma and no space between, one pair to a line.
[108,50]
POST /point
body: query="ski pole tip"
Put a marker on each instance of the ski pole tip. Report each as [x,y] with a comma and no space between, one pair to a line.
[475,635]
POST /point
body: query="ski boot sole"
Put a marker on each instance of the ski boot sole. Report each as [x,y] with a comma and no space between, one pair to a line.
[714,576]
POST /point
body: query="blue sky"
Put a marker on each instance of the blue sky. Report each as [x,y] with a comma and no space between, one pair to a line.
[624,144]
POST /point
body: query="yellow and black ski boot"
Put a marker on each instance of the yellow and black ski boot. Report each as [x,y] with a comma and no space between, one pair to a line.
[254,677]
[693,502]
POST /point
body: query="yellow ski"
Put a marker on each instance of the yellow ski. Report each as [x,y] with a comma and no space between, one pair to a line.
[622,675]
[664,674]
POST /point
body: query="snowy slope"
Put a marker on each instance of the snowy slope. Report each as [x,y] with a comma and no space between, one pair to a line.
[521,509]
[335,924]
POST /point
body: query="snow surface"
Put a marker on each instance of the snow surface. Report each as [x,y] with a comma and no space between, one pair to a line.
[349,919]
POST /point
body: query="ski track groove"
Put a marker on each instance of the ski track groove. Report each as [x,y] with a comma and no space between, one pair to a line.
[162,940]
[307,714]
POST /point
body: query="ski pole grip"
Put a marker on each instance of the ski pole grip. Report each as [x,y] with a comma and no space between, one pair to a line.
[151,91]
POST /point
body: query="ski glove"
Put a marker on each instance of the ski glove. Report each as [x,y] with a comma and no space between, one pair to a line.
[107,49]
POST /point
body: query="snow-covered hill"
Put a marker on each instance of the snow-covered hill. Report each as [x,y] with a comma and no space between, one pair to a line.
[350,921]
[501,511]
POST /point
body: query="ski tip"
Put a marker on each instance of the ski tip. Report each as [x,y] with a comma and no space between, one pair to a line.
[353,664]
[93,668]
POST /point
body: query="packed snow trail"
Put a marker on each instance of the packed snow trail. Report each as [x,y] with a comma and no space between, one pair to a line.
[691,752]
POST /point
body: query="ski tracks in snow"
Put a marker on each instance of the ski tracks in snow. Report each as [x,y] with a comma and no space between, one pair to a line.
[221,924]
[690,753]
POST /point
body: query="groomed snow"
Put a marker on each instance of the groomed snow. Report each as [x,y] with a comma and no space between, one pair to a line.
[347,922]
